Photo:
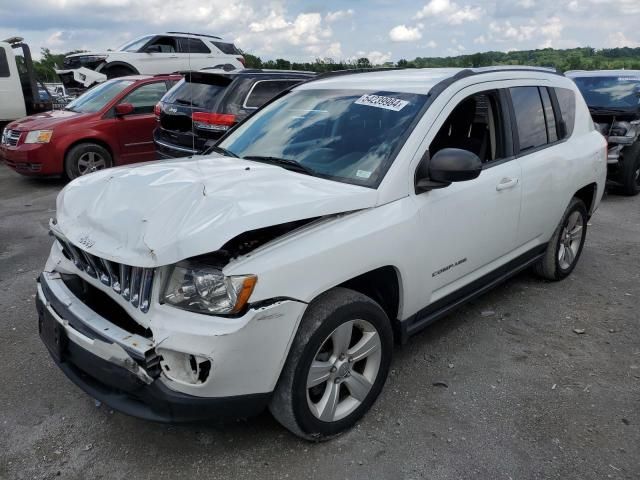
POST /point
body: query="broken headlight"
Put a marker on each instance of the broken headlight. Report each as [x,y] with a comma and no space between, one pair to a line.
[205,289]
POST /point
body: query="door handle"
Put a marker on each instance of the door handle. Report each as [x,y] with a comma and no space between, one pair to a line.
[507,183]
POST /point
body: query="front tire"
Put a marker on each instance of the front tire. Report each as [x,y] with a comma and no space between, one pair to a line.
[630,172]
[565,246]
[86,158]
[337,365]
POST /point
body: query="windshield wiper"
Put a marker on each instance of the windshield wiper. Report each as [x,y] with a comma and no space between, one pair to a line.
[223,151]
[608,110]
[282,162]
[187,102]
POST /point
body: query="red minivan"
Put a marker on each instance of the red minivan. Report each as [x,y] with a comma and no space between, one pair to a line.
[111,124]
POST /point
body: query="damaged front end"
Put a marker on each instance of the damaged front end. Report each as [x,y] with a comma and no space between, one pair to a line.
[162,364]
[77,80]
[619,134]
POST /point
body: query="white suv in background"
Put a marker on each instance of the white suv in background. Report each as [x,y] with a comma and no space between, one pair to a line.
[151,55]
[348,213]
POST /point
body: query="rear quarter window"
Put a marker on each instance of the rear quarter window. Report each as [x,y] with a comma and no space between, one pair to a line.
[228,48]
[4,64]
[567,103]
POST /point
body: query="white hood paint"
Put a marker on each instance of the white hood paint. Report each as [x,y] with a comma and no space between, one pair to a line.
[163,212]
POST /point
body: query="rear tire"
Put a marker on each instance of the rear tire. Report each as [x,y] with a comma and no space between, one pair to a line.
[565,246]
[630,172]
[347,338]
[86,158]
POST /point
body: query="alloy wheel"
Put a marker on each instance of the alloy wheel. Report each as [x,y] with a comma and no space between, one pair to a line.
[90,162]
[570,240]
[344,370]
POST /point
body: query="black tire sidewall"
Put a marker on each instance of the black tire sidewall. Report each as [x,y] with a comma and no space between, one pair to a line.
[71,159]
[631,162]
[578,206]
[368,311]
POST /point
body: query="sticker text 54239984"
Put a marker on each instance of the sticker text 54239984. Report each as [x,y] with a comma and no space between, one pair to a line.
[380,101]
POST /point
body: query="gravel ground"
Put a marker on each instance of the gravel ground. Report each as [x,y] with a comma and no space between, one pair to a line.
[525,398]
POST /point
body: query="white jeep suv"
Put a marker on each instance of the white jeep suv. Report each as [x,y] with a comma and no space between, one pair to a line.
[277,270]
[151,55]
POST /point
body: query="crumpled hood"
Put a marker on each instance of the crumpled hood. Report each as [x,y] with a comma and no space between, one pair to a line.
[45,120]
[163,212]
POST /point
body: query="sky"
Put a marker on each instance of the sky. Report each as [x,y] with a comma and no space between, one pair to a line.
[382,30]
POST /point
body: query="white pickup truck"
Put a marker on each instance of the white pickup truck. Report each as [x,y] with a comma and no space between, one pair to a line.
[348,213]
[19,89]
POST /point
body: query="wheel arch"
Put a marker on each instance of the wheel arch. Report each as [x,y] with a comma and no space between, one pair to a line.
[588,194]
[118,63]
[96,140]
[383,285]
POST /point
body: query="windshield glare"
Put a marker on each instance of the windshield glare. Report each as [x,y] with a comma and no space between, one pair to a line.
[611,92]
[345,135]
[97,98]
[134,45]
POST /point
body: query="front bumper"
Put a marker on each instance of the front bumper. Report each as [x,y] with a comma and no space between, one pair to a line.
[31,159]
[123,369]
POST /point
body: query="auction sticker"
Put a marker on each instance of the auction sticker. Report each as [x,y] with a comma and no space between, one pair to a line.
[379,101]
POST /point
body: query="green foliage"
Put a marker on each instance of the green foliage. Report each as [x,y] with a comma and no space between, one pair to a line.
[584,58]
[45,67]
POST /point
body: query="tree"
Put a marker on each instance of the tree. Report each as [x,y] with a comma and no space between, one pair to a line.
[363,63]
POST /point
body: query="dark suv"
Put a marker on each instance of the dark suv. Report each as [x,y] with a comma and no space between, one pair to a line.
[205,104]
[613,97]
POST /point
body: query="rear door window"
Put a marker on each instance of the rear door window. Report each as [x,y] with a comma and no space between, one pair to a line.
[264,90]
[228,48]
[530,119]
[4,64]
[145,97]
[192,45]
[567,103]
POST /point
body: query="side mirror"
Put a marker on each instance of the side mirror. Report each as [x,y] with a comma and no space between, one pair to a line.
[153,49]
[123,109]
[447,165]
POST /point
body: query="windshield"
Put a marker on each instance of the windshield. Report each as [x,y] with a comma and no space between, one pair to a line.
[96,98]
[135,45]
[345,135]
[610,92]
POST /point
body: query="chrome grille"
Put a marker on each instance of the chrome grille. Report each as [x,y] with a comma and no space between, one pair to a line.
[133,283]
[11,137]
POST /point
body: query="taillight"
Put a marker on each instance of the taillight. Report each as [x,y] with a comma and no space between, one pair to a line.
[156,110]
[213,121]
[242,61]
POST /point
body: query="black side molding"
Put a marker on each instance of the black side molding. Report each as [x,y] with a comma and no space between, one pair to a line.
[447,304]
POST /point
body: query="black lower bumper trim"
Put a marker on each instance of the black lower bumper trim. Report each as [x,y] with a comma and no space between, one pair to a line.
[122,390]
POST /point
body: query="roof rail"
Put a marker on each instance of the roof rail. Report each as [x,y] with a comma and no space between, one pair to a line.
[349,71]
[196,34]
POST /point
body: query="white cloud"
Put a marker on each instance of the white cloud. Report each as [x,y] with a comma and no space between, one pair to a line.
[378,58]
[547,31]
[431,44]
[450,12]
[481,40]
[402,33]
[375,57]
[339,15]
[619,39]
